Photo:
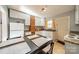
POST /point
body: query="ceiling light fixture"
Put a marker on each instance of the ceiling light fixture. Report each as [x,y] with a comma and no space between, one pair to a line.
[44,9]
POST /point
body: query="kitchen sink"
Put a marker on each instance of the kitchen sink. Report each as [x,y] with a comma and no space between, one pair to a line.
[73,36]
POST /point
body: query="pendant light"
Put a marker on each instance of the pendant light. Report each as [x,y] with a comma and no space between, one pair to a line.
[44,9]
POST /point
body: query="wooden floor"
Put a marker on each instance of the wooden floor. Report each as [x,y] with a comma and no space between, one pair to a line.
[58,48]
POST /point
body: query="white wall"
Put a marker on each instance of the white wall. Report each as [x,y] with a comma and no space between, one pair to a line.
[4,22]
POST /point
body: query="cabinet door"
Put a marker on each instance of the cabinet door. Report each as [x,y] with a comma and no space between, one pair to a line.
[15,14]
[32,24]
[0,32]
[27,20]
[20,15]
[0,27]
[77,14]
[71,48]
[77,21]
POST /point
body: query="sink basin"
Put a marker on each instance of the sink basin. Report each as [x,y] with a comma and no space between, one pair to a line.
[73,36]
[74,39]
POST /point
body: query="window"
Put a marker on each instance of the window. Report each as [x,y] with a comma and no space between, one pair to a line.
[50,24]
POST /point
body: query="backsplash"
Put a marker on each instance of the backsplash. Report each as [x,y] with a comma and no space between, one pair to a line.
[75,32]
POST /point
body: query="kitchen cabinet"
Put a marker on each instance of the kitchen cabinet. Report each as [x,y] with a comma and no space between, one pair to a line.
[48,34]
[71,48]
[0,27]
[17,14]
[39,21]
[32,24]
[27,19]
[0,32]
[77,14]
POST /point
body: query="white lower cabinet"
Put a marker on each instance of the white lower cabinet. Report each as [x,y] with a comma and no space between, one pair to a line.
[47,34]
[71,48]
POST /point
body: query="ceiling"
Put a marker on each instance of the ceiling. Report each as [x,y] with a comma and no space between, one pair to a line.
[52,10]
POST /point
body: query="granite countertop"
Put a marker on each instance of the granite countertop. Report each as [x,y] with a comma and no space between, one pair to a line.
[11,42]
[50,29]
[71,40]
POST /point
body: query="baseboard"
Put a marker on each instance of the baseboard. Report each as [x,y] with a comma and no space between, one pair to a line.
[61,42]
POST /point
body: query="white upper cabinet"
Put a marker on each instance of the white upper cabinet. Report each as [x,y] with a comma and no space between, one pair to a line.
[15,14]
[77,14]
[39,21]
[20,15]
[27,19]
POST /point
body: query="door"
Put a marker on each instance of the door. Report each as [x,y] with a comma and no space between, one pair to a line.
[63,27]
